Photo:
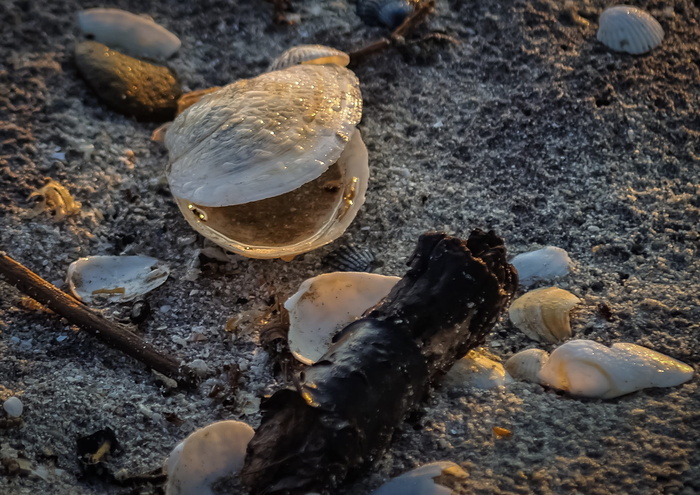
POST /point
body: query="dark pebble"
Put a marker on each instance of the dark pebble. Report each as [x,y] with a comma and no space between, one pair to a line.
[127,85]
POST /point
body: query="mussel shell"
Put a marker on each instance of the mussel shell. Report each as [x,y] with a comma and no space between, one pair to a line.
[310,54]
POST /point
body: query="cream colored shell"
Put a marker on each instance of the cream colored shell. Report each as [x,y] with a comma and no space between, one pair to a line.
[543,314]
[624,28]
[525,365]
[310,54]
[263,137]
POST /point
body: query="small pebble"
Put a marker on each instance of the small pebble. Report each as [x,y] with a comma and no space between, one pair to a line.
[13,407]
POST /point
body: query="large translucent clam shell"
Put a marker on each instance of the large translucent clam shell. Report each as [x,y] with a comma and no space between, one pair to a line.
[263,137]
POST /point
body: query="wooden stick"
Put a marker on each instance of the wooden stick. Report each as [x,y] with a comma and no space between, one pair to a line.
[113,334]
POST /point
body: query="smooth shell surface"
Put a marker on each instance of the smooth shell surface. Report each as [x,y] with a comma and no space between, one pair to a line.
[208,454]
[526,365]
[476,370]
[263,137]
[422,480]
[543,264]
[310,54]
[327,303]
[543,314]
[13,407]
[122,277]
[134,34]
[624,28]
[588,369]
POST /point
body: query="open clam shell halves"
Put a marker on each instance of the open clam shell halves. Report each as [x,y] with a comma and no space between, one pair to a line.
[272,166]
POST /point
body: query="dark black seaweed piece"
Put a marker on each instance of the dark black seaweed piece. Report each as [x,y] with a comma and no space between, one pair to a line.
[342,413]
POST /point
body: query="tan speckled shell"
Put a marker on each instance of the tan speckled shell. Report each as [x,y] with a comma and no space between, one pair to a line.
[310,54]
[543,314]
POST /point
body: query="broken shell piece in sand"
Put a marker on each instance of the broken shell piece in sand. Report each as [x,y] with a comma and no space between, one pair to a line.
[624,28]
[327,303]
[525,365]
[476,370]
[120,277]
[207,455]
[588,369]
[309,54]
[424,480]
[55,198]
[543,314]
[543,264]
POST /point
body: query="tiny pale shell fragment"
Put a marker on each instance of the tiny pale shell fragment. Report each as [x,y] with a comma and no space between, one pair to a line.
[122,277]
[543,314]
[589,369]
[421,481]
[310,54]
[327,303]
[624,28]
[543,264]
[13,407]
[134,34]
[526,365]
[205,456]
[476,370]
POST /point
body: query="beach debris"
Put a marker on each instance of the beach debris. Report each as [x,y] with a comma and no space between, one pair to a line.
[526,365]
[309,54]
[424,480]
[273,166]
[205,456]
[133,34]
[588,369]
[314,434]
[118,277]
[476,370]
[502,433]
[327,303]
[13,407]
[95,449]
[543,314]
[55,198]
[543,264]
[386,13]
[351,259]
[127,85]
[624,28]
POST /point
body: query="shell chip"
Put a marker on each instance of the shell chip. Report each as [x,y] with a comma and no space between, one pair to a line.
[502,432]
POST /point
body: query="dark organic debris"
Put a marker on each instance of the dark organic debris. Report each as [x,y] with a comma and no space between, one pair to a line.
[351,259]
[314,434]
[95,449]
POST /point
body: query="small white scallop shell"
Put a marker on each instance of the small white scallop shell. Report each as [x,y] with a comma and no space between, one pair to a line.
[624,28]
[309,54]
[134,34]
[207,455]
[526,365]
[327,303]
[589,369]
[543,314]
[421,481]
[122,277]
[543,264]
[476,370]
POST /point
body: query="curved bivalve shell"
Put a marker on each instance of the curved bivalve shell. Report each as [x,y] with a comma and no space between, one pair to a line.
[525,365]
[309,54]
[424,480]
[476,370]
[543,264]
[543,314]
[327,303]
[624,28]
[387,13]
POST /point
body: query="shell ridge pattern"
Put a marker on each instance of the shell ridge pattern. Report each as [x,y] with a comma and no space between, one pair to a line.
[253,131]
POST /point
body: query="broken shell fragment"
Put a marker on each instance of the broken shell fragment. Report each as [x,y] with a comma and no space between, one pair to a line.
[525,365]
[205,456]
[424,480]
[327,303]
[273,166]
[476,370]
[624,28]
[543,264]
[543,314]
[121,277]
[309,54]
[589,369]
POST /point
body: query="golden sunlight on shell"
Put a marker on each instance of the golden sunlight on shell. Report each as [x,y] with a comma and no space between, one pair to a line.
[543,314]
[525,365]
[310,54]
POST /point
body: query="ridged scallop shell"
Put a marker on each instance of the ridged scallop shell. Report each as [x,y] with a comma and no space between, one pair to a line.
[525,365]
[387,13]
[310,54]
[543,314]
[624,28]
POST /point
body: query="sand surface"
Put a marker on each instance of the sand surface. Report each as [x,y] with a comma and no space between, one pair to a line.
[528,126]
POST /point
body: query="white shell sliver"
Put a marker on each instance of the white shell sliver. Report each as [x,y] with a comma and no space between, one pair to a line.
[134,34]
[624,28]
[588,369]
[476,370]
[309,54]
[327,303]
[543,264]
[205,456]
[421,481]
[262,137]
[121,277]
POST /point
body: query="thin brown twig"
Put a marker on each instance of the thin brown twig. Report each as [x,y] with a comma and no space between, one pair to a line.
[112,334]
